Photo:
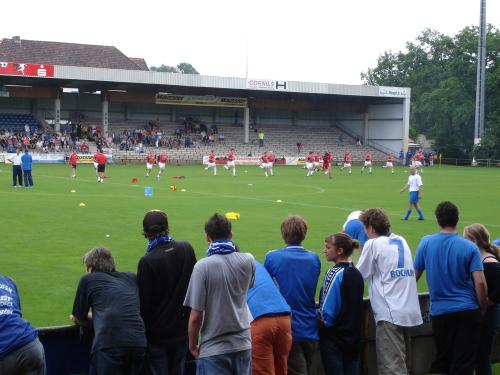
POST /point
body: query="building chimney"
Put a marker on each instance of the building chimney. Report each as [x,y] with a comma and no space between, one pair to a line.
[16,39]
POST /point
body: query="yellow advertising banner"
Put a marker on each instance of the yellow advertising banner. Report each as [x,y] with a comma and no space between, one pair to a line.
[207,101]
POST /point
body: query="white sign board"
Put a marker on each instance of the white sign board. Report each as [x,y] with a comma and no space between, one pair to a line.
[267,84]
[395,92]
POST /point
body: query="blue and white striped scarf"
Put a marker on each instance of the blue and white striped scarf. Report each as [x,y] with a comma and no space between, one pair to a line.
[158,241]
[221,247]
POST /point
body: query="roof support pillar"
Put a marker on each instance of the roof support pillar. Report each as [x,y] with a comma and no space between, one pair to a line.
[246,125]
[105,114]
[365,129]
[57,112]
[406,124]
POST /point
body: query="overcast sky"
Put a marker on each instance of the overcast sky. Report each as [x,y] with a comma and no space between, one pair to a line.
[313,40]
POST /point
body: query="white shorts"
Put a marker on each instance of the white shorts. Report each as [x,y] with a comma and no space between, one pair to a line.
[211,164]
[309,165]
[95,165]
[269,165]
[230,163]
[347,165]
[368,163]
[149,166]
[316,164]
[388,164]
[161,165]
[417,164]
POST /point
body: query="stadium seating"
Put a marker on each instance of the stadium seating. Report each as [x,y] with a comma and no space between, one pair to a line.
[17,121]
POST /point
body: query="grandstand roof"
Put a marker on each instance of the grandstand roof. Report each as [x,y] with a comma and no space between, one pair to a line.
[69,54]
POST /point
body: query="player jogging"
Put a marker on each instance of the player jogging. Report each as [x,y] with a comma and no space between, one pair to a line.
[418,159]
[264,163]
[327,161]
[270,161]
[230,162]
[150,160]
[347,162]
[73,160]
[95,163]
[162,161]
[101,165]
[310,163]
[211,162]
[414,185]
[317,161]
[389,162]
[368,162]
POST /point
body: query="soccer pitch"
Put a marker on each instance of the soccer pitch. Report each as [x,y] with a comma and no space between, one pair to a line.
[45,231]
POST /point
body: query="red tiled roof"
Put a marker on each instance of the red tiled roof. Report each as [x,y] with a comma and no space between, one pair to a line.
[140,62]
[70,54]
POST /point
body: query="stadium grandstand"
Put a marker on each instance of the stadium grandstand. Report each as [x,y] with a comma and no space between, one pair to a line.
[99,93]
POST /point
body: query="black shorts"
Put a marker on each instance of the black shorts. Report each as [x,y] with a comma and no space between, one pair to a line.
[73,166]
[101,167]
[456,336]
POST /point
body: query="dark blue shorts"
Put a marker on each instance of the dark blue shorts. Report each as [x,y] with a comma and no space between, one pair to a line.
[413,197]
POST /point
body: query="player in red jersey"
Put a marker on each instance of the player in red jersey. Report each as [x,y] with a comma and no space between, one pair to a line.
[162,161]
[368,162]
[327,161]
[211,162]
[73,160]
[310,158]
[264,163]
[95,163]
[150,160]
[270,161]
[101,165]
[418,161]
[389,162]
[230,164]
[317,161]
[347,162]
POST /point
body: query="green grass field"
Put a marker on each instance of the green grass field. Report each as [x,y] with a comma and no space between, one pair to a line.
[45,232]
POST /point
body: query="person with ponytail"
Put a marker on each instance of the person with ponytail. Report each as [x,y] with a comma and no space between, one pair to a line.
[490,324]
[340,311]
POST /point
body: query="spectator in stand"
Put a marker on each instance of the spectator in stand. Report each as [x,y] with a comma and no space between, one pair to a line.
[84,148]
[401,157]
[490,325]
[20,349]
[271,326]
[261,138]
[163,276]
[355,228]
[341,308]
[296,272]
[458,293]
[119,340]
[27,161]
[217,297]
[386,264]
[17,172]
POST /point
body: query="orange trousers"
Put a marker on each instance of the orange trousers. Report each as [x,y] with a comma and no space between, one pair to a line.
[271,343]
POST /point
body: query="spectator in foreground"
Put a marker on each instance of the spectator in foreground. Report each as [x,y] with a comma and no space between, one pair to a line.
[20,349]
[341,308]
[119,340]
[457,290]
[27,162]
[296,271]
[163,276]
[386,263]
[217,297]
[490,324]
[271,326]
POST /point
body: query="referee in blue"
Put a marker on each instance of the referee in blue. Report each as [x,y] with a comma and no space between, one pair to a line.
[27,162]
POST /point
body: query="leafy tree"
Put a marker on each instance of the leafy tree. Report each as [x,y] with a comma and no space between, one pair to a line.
[184,68]
[441,71]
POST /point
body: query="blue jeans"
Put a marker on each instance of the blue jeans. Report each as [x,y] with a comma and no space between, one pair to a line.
[337,361]
[236,363]
[28,180]
[165,359]
[117,361]
[490,327]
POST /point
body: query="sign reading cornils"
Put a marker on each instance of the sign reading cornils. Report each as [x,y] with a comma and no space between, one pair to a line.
[208,101]
[267,84]
[28,70]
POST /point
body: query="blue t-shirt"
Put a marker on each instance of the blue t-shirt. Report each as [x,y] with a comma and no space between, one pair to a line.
[27,161]
[497,242]
[296,272]
[356,230]
[264,297]
[14,330]
[449,261]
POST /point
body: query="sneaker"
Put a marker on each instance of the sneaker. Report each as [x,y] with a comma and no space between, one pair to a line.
[403,219]
[421,218]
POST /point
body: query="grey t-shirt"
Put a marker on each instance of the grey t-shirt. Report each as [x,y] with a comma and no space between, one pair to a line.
[218,287]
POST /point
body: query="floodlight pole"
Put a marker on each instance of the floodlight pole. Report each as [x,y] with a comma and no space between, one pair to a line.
[481,72]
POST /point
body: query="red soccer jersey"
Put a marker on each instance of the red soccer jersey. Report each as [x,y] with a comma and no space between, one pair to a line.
[163,158]
[100,158]
[211,158]
[390,158]
[368,157]
[73,159]
[310,158]
[230,156]
[271,158]
[150,159]
[347,158]
[317,158]
[264,158]
[327,159]
[84,148]
[95,157]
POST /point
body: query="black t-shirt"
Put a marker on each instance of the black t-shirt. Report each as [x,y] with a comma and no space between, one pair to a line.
[492,275]
[114,300]
[163,276]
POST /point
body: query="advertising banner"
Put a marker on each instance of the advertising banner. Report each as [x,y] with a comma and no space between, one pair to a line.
[55,158]
[249,160]
[28,70]
[267,84]
[207,101]
[89,158]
